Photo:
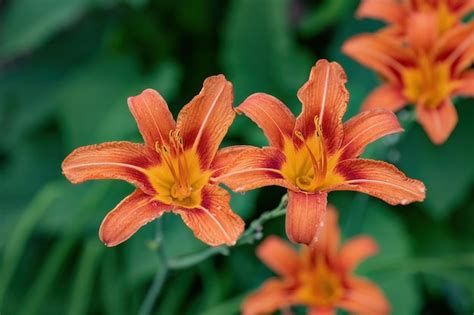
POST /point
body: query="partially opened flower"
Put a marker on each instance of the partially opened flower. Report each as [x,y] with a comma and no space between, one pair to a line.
[171,171]
[319,277]
[420,65]
[316,153]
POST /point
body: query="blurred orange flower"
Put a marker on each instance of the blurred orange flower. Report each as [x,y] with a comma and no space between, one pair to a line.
[319,277]
[424,58]
[171,171]
[316,153]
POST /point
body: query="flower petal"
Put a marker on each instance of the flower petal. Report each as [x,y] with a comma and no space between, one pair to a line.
[365,128]
[153,117]
[128,216]
[356,250]
[386,96]
[204,121]
[213,222]
[381,180]
[304,215]
[422,30]
[457,47]
[270,114]
[390,11]
[271,296]
[381,53]
[225,158]
[111,160]
[364,297]
[253,168]
[324,96]
[330,236]
[466,87]
[279,256]
[321,311]
[438,122]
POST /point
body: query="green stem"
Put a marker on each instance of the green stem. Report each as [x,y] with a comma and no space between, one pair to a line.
[186,261]
[160,276]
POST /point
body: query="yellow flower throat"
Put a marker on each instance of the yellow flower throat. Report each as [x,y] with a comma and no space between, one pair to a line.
[178,180]
[309,167]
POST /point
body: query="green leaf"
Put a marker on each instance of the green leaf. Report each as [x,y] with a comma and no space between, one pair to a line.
[29,23]
[259,54]
[447,170]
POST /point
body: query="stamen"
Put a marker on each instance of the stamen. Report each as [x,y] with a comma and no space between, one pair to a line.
[310,152]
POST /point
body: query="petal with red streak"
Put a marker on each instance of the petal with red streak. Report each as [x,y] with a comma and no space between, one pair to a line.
[356,250]
[279,256]
[128,216]
[153,117]
[466,84]
[254,168]
[386,96]
[438,122]
[304,215]
[111,160]
[364,297]
[225,158]
[204,121]
[365,128]
[324,96]
[271,296]
[390,11]
[456,46]
[213,222]
[270,114]
[381,180]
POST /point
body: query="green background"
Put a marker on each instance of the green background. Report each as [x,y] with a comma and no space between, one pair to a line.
[66,70]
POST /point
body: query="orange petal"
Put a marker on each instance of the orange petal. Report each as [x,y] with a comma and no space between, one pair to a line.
[330,236]
[324,96]
[365,128]
[270,114]
[213,222]
[279,256]
[438,122]
[111,160]
[253,168]
[153,117]
[457,47]
[364,297]
[381,180]
[225,158]
[270,297]
[381,53]
[356,250]
[466,87]
[304,215]
[321,311]
[128,216]
[386,96]
[390,11]
[204,121]
[422,30]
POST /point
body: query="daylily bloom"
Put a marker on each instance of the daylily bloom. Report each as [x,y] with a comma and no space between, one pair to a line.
[423,63]
[171,171]
[315,153]
[319,277]
[397,13]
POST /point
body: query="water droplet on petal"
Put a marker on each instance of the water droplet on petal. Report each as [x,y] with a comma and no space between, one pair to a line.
[404,201]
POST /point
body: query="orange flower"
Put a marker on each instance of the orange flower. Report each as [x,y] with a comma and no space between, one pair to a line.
[319,277]
[171,171]
[315,153]
[424,62]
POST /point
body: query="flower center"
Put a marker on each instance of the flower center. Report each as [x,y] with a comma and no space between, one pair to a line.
[308,166]
[320,286]
[178,180]
[428,84]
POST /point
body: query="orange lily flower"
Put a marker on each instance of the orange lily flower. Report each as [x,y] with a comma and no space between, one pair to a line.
[425,64]
[319,277]
[316,153]
[397,13]
[171,171]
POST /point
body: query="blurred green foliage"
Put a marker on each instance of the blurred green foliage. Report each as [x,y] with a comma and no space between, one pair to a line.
[67,68]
